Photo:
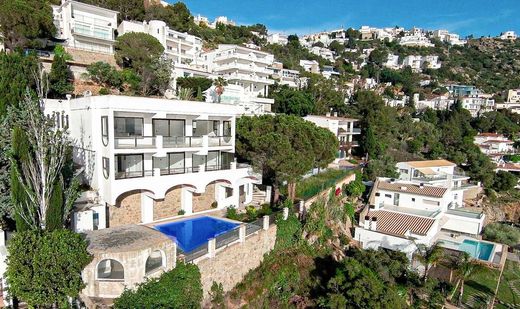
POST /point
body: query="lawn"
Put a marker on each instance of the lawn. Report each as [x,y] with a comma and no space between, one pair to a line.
[509,290]
[480,287]
[313,185]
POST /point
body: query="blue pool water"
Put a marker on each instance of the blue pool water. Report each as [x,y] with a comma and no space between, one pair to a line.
[477,249]
[192,233]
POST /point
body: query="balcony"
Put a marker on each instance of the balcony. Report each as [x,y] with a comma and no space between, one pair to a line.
[182,141]
[92,30]
[175,171]
[135,142]
[215,141]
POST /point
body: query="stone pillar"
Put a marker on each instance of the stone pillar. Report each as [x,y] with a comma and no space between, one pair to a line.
[187,201]
[242,233]
[266,223]
[268,193]
[285,213]
[212,243]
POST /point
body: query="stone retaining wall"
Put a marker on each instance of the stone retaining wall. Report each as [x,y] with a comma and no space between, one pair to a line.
[325,193]
[231,264]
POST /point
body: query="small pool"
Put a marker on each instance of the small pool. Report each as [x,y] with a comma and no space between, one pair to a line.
[477,249]
[192,233]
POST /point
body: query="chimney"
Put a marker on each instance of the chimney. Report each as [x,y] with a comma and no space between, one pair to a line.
[327,114]
[421,185]
[373,226]
[366,224]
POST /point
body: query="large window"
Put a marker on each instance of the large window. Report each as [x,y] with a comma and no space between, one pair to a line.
[225,159]
[227,128]
[110,270]
[205,127]
[173,163]
[168,127]
[128,126]
[214,160]
[129,166]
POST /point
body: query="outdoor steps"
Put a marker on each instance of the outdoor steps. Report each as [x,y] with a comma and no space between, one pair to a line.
[258,198]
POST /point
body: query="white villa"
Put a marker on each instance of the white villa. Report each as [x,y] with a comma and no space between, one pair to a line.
[343,129]
[513,101]
[441,102]
[418,63]
[248,74]
[423,206]
[277,38]
[508,35]
[85,27]
[148,159]
[494,145]
[448,37]
[311,66]
[477,105]
[287,77]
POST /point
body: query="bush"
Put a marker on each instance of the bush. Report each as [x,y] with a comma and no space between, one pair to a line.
[177,288]
[181,212]
[44,268]
[231,213]
[214,204]
[217,295]
[504,181]
[288,232]
[313,185]
[502,233]
[251,212]
[103,91]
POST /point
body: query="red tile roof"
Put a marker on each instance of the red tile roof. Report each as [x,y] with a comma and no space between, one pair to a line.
[412,188]
[397,223]
[430,163]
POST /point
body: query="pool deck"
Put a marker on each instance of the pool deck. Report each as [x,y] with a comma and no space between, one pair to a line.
[459,239]
[216,213]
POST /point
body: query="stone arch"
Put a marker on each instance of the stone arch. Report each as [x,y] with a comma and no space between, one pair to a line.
[127,209]
[110,269]
[172,202]
[155,261]
[204,200]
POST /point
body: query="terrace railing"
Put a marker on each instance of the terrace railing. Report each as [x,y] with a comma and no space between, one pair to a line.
[196,253]
[254,226]
[227,238]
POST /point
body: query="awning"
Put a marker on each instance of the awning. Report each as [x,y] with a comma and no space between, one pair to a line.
[427,171]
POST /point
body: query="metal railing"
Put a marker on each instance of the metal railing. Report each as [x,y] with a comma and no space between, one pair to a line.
[134,142]
[182,141]
[133,174]
[220,141]
[227,238]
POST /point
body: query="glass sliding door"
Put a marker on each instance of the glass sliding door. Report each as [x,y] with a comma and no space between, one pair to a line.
[173,163]
[205,127]
[129,166]
[128,126]
[196,161]
[212,163]
[225,160]
[173,132]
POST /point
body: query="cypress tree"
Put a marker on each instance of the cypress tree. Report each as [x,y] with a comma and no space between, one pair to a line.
[20,152]
[54,215]
[60,75]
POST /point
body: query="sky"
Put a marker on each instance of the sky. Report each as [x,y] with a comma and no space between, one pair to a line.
[465,17]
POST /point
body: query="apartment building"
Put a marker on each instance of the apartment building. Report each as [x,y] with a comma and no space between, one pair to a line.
[478,105]
[423,206]
[343,129]
[287,77]
[85,27]
[147,159]
[247,72]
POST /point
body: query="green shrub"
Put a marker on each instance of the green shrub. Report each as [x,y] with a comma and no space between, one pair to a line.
[251,212]
[177,288]
[181,212]
[313,185]
[231,213]
[214,204]
[288,232]
[502,233]
[265,210]
[103,91]
[217,296]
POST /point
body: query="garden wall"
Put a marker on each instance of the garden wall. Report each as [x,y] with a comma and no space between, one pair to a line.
[231,264]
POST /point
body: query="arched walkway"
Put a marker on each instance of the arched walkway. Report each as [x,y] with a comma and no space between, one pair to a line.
[110,269]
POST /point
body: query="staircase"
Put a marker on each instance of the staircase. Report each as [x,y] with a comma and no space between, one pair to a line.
[259,197]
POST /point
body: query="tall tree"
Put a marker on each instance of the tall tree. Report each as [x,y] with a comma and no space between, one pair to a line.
[465,267]
[428,256]
[60,77]
[137,50]
[293,102]
[23,22]
[281,147]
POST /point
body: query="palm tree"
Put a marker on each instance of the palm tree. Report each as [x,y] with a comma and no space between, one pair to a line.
[428,256]
[465,268]
[219,84]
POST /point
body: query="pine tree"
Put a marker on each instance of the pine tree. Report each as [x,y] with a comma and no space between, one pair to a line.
[60,76]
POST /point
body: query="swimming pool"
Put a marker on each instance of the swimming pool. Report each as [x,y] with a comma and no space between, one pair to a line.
[477,249]
[190,234]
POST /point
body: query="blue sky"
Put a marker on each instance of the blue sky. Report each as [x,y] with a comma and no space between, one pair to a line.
[478,17]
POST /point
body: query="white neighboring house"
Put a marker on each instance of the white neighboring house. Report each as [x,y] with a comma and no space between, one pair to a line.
[477,105]
[182,48]
[417,63]
[343,129]
[494,145]
[415,37]
[323,52]
[409,211]
[441,102]
[329,71]
[401,102]
[508,35]
[311,66]
[147,159]
[513,101]
[85,27]
[287,77]
[392,62]
[446,36]
[247,72]
[277,38]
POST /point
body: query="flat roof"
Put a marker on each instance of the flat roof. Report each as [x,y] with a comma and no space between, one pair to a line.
[124,238]
[430,163]
[400,224]
[331,117]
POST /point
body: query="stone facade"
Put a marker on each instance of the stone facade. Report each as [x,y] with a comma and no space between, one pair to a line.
[126,211]
[230,265]
[170,206]
[203,201]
